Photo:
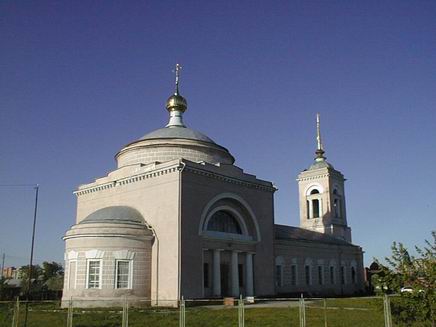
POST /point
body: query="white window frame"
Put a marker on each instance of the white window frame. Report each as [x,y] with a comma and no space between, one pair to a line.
[100,277]
[69,274]
[130,275]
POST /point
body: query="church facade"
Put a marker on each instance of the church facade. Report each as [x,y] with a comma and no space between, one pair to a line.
[178,218]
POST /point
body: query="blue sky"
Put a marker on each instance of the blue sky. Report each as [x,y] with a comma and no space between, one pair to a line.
[80,79]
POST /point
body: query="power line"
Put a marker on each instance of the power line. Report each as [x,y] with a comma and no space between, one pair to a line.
[18,185]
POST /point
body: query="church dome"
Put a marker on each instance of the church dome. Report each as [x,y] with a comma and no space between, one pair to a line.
[174,141]
[114,214]
[177,133]
[176,102]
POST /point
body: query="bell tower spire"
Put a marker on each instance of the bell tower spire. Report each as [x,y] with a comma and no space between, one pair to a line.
[319,147]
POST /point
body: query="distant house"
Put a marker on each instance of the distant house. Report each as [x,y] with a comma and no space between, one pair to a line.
[11,272]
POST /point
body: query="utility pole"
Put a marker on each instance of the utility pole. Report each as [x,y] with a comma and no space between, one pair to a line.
[31,255]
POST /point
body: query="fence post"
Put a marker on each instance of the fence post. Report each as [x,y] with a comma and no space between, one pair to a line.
[325,313]
[182,313]
[16,313]
[302,312]
[125,322]
[70,313]
[241,312]
[387,311]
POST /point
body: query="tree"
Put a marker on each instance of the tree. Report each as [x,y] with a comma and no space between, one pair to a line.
[51,269]
[53,276]
[3,287]
[418,274]
[45,279]
[36,285]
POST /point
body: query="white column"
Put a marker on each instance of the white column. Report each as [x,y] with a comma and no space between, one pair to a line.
[249,274]
[216,272]
[235,274]
[321,211]
[310,209]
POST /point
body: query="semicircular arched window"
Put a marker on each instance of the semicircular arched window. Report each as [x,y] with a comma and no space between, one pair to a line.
[224,222]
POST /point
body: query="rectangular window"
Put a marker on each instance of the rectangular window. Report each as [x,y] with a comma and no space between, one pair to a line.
[205,275]
[332,275]
[307,274]
[94,274]
[72,274]
[241,275]
[315,208]
[123,273]
[293,275]
[342,275]
[320,276]
[279,276]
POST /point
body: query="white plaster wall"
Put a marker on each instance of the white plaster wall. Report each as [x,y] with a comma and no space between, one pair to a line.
[156,196]
[197,192]
[108,294]
[297,252]
[163,150]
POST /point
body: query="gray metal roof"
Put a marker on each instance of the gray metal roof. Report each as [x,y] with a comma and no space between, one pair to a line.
[283,232]
[320,164]
[114,214]
[176,132]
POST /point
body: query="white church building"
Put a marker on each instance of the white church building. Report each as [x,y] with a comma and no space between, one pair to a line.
[178,218]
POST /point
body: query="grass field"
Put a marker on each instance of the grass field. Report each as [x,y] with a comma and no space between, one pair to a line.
[362,312]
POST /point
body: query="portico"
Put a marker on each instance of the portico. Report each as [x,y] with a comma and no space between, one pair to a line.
[232,273]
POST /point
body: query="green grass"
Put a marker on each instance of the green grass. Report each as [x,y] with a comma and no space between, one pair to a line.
[340,312]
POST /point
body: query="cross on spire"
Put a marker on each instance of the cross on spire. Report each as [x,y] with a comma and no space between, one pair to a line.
[177,72]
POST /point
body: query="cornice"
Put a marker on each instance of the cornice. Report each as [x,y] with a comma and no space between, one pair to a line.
[310,178]
[128,180]
[228,179]
[167,170]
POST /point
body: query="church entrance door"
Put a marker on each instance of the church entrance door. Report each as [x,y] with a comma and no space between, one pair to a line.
[225,280]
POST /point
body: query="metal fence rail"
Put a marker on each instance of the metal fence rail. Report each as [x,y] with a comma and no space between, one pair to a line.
[300,311]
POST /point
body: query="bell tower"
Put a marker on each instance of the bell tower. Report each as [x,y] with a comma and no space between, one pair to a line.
[322,196]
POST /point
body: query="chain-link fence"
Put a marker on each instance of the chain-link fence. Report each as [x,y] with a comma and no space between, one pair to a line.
[301,312]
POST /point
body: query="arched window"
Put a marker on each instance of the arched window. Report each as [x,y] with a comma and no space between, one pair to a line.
[353,275]
[224,222]
[313,198]
[279,271]
[315,208]
[336,207]
[337,204]
[307,275]
[308,271]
